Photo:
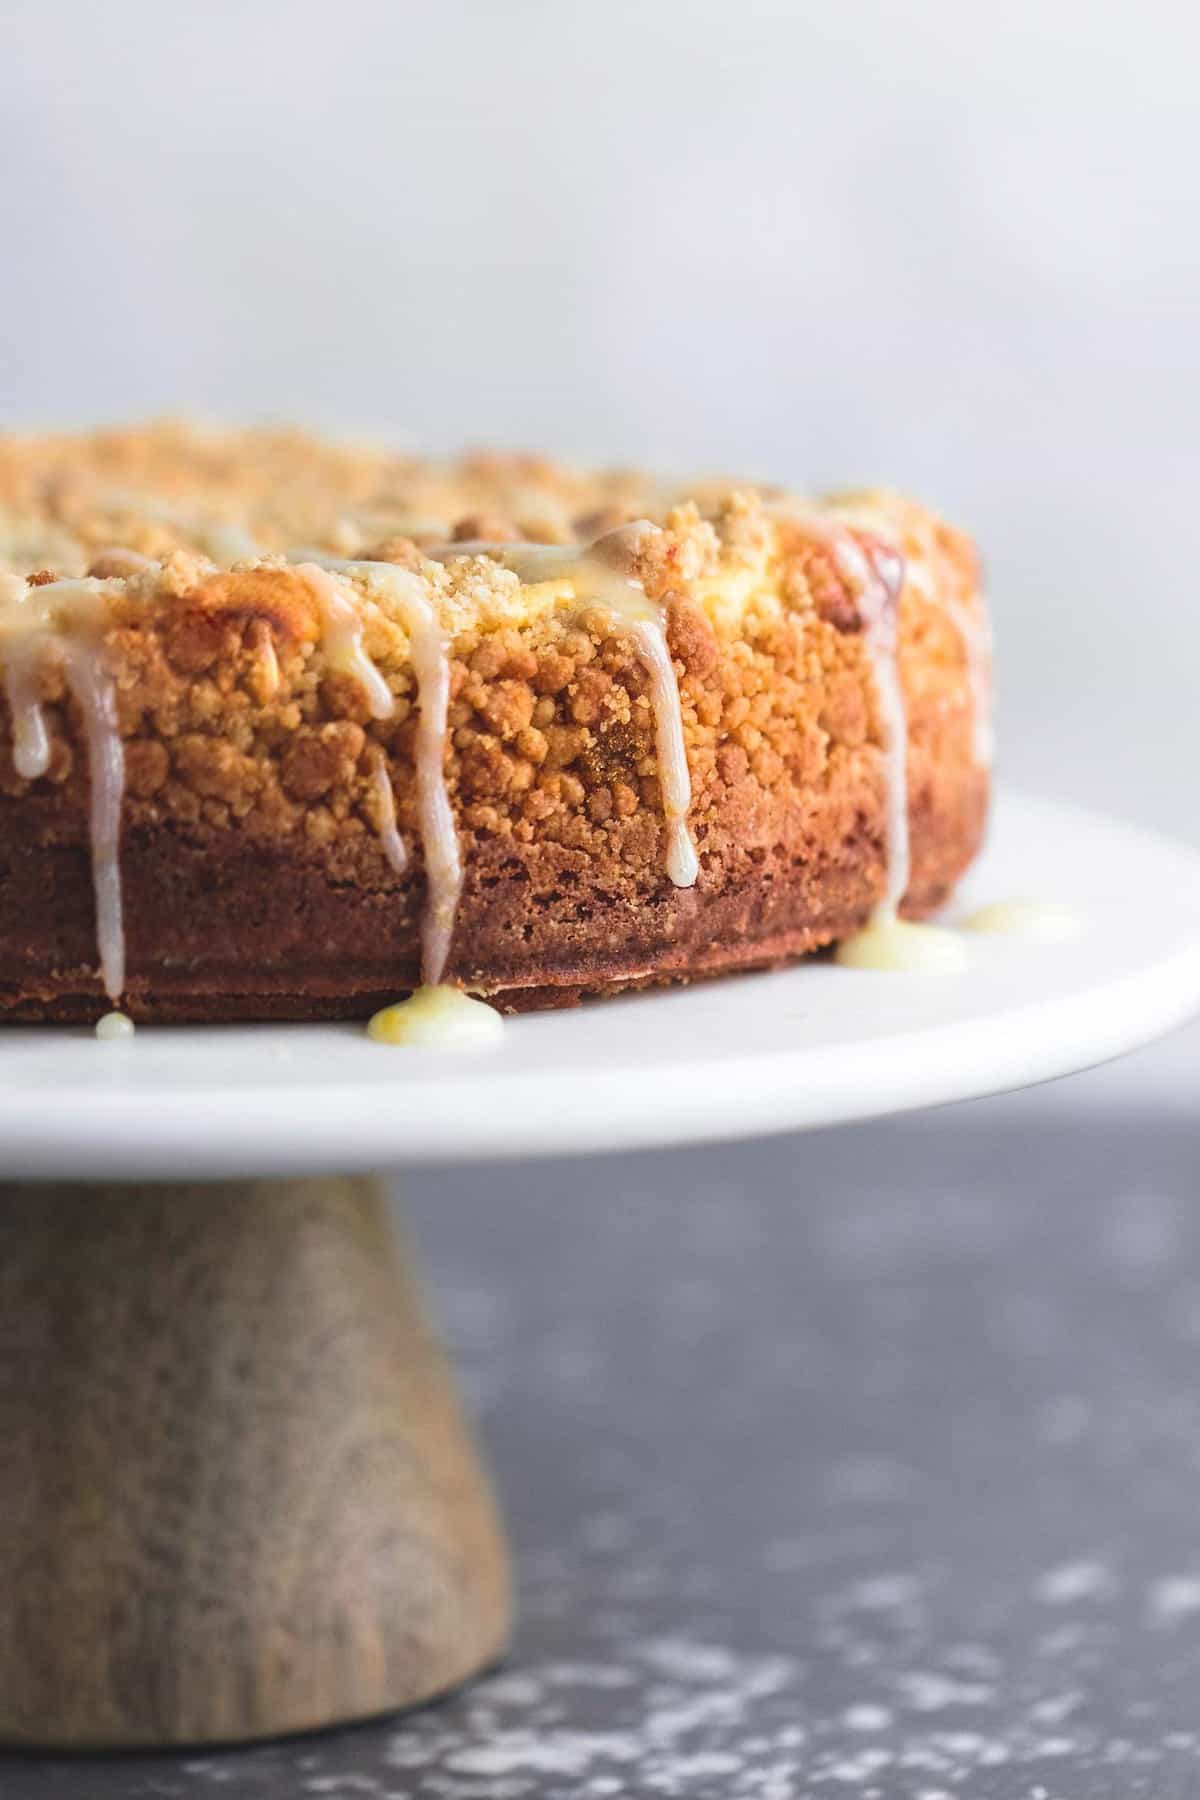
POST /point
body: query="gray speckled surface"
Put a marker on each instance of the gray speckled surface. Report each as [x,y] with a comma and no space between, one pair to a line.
[864,1465]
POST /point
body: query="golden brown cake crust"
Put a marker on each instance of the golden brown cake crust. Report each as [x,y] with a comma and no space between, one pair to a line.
[254,880]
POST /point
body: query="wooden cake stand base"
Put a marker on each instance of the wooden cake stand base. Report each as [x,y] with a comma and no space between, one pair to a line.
[237,1493]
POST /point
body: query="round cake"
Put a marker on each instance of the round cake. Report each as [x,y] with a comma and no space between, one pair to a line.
[291,729]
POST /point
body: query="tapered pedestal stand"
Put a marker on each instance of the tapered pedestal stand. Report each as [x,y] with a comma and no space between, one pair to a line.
[237,1496]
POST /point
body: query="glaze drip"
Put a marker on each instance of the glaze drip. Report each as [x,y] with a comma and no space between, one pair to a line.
[342,635]
[430,652]
[650,642]
[901,945]
[114,1027]
[876,578]
[31,741]
[437,1018]
[96,696]
[390,840]
[876,574]
[599,580]
[599,575]
[61,618]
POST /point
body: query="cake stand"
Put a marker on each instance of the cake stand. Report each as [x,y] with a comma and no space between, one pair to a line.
[237,1492]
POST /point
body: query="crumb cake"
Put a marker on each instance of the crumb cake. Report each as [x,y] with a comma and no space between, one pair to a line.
[289,729]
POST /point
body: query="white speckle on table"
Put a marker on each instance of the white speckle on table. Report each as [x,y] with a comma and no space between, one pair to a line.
[1173,1597]
[683,1722]
[854,1769]
[339,1785]
[690,1662]
[540,1753]
[866,1718]
[929,1691]
[1055,1708]
[1073,1581]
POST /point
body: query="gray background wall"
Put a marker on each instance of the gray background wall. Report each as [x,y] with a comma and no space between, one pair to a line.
[949,245]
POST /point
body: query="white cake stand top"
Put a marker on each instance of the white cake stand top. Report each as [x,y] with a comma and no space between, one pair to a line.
[806,1046]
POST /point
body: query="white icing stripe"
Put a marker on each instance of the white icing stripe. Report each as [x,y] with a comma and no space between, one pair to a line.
[892,943]
[64,617]
[437,1018]
[390,840]
[342,635]
[596,573]
[31,742]
[650,641]
[881,595]
[430,652]
[96,695]
[878,597]
[22,655]
[876,581]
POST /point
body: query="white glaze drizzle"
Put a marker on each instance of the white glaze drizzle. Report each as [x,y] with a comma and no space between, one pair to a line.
[31,741]
[896,944]
[876,581]
[437,1018]
[596,581]
[650,642]
[430,652]
[390,840]
[96,695]
[113,1027]
[60,617]
[880,588]
[886,942]
[972,623]
[878,596]
[595,573]
[342,634]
